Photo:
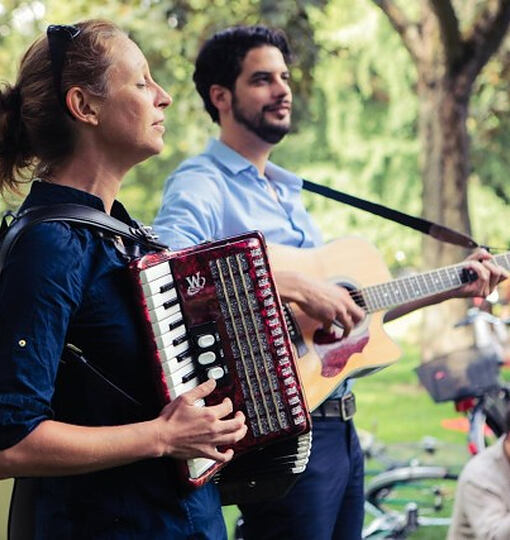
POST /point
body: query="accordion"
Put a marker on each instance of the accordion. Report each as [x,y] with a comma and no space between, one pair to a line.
[212,311]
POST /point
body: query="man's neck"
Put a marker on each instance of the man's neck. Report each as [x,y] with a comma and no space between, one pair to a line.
[250,146]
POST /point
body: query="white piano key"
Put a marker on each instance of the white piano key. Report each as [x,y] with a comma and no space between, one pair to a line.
[155,272]
[174,366]
[181,388]
[199,466]
[161,327]
[169,353]
[175,363]
[166,339]
[162,312]
[159,299]
[154,287]
[175,378]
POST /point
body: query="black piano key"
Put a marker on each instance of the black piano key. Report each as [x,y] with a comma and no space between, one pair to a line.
[183,356]
[179,340]
[175,324]
[170,303]
[166,287]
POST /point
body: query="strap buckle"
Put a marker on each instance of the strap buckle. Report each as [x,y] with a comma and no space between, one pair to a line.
[347,406]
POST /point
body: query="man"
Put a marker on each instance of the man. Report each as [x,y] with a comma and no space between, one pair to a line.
[242,76]
[482,503]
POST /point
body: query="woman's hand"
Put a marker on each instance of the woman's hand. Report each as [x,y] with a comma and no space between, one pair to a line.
[186,430]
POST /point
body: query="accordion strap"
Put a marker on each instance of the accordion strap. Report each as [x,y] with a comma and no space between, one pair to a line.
[78,214]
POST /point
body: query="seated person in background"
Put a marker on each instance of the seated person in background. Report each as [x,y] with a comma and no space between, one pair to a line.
[482,504]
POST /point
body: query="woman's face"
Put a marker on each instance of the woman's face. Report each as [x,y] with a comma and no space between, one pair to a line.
[131,116]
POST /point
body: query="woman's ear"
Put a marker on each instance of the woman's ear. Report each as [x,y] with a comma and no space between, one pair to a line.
[82,105]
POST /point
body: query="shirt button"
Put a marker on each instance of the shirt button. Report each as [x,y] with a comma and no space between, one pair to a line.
[22,343]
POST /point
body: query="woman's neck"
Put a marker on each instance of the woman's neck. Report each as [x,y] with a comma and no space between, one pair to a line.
[97,180]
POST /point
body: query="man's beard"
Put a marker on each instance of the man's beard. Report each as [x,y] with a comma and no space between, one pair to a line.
[270,133]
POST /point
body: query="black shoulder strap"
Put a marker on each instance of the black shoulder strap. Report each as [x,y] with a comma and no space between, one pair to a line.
[79,214]
[439,232]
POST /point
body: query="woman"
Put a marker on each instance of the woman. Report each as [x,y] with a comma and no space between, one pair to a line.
[83,111]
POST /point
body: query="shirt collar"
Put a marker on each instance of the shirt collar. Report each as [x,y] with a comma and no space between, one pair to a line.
[229,158]
[236,163]
[46,193]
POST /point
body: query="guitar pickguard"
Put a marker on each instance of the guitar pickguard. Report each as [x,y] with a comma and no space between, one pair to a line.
[334,350]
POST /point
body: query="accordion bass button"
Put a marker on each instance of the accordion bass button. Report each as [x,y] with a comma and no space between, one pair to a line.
[206,358]
[206,340]
[216,372]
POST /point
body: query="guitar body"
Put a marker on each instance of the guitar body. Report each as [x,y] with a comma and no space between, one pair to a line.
[328,359]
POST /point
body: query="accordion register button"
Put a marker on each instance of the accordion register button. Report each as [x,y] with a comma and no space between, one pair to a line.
[207,340]
[215,372]
[206,358]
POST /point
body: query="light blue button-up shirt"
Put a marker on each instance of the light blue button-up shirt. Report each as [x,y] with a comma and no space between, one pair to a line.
[220,193]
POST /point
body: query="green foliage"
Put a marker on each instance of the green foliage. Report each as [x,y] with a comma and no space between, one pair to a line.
[355,104]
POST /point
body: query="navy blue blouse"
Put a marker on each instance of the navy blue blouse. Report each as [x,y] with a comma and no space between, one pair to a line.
[62,284]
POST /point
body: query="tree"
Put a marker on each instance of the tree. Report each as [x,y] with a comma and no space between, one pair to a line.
[448,57]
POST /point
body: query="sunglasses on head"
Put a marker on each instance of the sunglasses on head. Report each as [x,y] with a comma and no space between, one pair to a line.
[59,38]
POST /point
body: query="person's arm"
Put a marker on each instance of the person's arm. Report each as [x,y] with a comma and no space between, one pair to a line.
[182,430]
[489,275]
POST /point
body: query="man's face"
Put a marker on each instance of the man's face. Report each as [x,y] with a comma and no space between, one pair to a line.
[262,99]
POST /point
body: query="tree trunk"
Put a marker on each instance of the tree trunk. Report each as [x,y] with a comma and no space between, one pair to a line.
[444,162]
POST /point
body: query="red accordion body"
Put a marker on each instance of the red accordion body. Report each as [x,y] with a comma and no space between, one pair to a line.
[212,311]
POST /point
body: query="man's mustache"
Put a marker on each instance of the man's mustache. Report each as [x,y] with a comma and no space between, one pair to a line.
[278,105]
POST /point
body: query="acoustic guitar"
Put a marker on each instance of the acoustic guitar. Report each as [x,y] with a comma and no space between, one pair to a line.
[325,360]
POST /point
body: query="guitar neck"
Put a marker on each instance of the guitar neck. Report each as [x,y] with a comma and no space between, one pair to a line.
[401,291]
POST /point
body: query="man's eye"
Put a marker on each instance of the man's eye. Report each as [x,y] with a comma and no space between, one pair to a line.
[141,84]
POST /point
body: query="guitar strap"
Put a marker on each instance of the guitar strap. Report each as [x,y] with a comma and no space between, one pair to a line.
[439,232]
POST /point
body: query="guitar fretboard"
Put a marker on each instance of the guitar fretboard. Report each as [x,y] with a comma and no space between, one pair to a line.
[403,290]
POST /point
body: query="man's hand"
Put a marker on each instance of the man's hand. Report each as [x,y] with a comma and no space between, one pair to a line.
[322,301]
[489,275]
[187,431]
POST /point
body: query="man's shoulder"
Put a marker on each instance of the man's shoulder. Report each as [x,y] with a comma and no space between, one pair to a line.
[202,165]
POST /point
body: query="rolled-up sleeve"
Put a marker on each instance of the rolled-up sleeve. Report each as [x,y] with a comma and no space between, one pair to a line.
[40,287]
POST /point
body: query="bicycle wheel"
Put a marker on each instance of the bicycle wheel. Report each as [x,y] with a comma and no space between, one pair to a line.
[408,499]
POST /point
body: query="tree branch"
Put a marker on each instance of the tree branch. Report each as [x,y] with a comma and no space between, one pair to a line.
[486,36]
[449,30]
[408,31]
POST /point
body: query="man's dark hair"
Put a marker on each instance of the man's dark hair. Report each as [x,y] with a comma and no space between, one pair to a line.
[220,58]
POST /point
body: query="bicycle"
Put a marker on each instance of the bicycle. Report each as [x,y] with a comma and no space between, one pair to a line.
[479,392]
[471,378]
[408,494]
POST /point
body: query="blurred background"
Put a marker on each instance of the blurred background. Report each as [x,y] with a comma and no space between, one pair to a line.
[404,103]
